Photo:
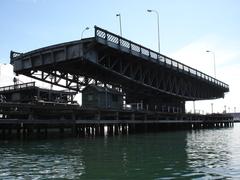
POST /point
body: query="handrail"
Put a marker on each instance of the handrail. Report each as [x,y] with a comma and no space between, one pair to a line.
[17,86]
[13,55]
[121,42]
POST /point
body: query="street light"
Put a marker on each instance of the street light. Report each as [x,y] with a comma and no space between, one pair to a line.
[214,63]
[87,28]
[151,10]
[120,23]
[212,107]
[194,110]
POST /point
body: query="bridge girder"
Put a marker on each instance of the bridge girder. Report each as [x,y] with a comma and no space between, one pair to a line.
[110,59]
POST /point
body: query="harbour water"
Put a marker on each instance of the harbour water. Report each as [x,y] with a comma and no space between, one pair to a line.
[192,154]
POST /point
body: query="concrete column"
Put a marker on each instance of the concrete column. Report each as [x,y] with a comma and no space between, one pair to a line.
[18,133]
[88,132]
[110,130]
[131,128]
[116,129]
[82,130]
[124,129]
[102,130]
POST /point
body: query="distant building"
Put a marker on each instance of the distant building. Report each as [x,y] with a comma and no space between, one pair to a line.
[101,97]
[236,116]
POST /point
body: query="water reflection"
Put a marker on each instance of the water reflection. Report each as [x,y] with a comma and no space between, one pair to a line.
[40,160]
[167,155]
[210,152]
[136,156]
[154,155]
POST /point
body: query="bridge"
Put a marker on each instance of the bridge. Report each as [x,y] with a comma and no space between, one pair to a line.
[143,75]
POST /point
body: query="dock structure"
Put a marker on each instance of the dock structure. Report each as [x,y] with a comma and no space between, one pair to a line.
[29,92]
[25,120]
[134,87]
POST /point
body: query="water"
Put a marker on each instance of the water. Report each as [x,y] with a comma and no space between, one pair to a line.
[195,154]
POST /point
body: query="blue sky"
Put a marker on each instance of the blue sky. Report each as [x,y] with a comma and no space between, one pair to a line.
[30,24]
[187,28]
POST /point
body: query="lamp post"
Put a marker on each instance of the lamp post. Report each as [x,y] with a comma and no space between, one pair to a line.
[120,23]
[212,107]
[194,110]
[214,63]
[151,10]
[87,28]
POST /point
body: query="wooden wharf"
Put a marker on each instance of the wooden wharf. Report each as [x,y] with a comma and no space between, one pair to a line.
[28,120]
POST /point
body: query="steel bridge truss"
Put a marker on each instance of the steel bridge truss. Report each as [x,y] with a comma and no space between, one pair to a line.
[155,70]
[110,60]
[65,80]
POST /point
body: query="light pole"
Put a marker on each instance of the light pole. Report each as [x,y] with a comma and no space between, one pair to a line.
[155,11]
[212,107]
[87,28]
[214,63]
[120,23]
[194,110]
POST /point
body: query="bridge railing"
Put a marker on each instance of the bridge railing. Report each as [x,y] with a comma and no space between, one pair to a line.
[118,42]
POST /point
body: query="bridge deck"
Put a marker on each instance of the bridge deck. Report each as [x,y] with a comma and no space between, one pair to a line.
[110,59]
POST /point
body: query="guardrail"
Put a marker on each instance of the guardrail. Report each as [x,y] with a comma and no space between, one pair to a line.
[136,49]
[17,86]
